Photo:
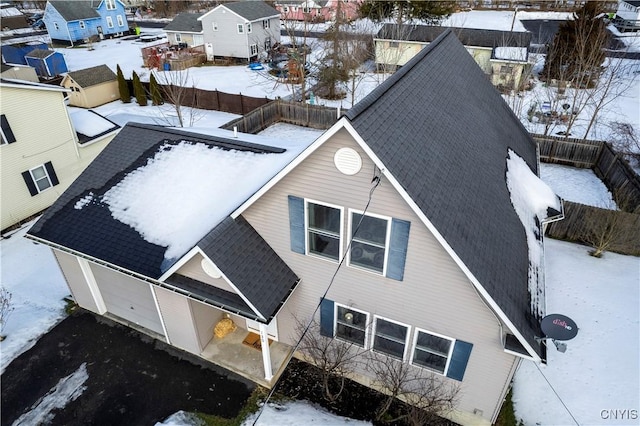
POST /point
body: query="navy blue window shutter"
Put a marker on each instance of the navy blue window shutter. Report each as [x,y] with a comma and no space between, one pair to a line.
[459,359]
[326,318]
[52,173]
[398,248]
[6,129]
[296,224]
[30,183]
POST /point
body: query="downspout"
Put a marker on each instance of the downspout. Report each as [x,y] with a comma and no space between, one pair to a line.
[69,33]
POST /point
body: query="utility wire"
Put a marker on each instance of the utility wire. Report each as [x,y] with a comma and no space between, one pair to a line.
[376,182]
[554,391]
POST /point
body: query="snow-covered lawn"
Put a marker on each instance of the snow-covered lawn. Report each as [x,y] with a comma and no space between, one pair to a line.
[577,185]
[599,371]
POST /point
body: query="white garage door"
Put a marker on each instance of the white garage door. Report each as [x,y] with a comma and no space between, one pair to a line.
[128,298]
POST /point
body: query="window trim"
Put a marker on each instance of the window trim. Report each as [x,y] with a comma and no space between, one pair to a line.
[82,25]
[387,241]
[337,305]
[249,28]
[240,28]
[109,21]
[46,174]
[266,24]
[308,201]
[214,25]
[373,336]
[178,37]
[120,20]
[418,330]
[111,3]
[253,47]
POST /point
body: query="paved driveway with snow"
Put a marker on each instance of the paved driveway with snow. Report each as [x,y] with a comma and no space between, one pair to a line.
[91,371]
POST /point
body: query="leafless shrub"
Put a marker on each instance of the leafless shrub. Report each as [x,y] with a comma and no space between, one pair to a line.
[334,358]
[427,396]
[5,309]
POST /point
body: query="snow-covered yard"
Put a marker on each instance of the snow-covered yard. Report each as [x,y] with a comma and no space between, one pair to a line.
[597,374]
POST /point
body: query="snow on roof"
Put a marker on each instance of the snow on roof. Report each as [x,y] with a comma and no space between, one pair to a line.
[511,53]
[10,11]
[186,189]
[89,123]
[531,199]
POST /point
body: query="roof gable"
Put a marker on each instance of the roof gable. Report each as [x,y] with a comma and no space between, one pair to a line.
[187,22]
[92,76]
[75,10]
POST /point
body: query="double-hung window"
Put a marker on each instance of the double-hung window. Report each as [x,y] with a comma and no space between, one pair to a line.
[265,24]
[248,27]
[254,49]
[370,241]
[240,28]
[111,4]
[120,20]
[351,325]
[109,22]
[432,351]
[390,337]
[214,25]
[41,178]
[324,225]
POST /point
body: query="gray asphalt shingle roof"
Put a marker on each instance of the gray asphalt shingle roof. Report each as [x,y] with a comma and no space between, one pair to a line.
[94,232]
[251,264]
[443,131]
[187,22]
[91,76]
[252,10]
[75,10]
[468,36]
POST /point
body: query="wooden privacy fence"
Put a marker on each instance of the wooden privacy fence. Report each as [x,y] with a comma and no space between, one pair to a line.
[300,114]
[614,171]
[586,224]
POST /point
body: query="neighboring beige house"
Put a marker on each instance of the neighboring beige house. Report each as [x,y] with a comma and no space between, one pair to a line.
[240,30]
[502,55]
[185,29]
[405,230]
[91,87]
[19,72]
[41,152]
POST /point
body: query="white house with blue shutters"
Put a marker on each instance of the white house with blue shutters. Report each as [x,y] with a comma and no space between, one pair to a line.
[398,231]
[75,21]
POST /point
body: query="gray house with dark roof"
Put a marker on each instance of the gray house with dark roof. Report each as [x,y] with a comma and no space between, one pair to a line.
[502,55]
[91,87]
[240,30]
[403,230]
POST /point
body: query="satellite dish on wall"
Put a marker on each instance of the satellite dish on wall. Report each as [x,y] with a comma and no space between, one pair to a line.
[558,327]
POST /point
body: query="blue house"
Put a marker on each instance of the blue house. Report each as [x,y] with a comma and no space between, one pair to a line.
[48,63]
[73,21]
[15,53]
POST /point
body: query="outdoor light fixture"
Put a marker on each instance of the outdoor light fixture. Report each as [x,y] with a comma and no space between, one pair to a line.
[348,317]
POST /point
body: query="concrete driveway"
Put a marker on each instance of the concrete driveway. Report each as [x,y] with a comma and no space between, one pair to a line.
[89,370]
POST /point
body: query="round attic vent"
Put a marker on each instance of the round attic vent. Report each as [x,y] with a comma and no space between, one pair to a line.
[210,269]
[348,161]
